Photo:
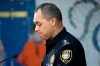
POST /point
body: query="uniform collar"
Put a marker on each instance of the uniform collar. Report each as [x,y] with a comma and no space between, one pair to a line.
[51,43]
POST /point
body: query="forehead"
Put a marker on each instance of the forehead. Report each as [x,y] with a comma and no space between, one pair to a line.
[37,16]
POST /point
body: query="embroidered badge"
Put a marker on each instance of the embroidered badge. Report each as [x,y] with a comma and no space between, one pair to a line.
[52,59]
[66,56]
[65,42]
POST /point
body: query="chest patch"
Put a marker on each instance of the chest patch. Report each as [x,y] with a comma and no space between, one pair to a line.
[52,59]
[66,56]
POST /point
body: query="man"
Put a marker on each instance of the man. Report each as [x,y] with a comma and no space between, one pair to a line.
[62,49]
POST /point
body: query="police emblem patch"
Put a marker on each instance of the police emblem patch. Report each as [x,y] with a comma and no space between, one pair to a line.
[52,59]
[66,56]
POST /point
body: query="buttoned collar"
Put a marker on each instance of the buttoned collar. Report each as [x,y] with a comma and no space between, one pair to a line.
[51,43]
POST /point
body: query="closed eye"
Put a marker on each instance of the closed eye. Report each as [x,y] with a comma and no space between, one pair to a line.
[38,23]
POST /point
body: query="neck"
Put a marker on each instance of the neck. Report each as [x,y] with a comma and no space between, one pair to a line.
[57,30]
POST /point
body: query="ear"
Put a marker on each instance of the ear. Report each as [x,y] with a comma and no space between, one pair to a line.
[53,21]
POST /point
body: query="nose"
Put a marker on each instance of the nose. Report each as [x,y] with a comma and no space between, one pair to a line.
[36,28]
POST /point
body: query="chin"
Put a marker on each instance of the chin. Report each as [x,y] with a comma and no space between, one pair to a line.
[43,38]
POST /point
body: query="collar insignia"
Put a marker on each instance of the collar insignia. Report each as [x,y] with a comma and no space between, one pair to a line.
[65,42]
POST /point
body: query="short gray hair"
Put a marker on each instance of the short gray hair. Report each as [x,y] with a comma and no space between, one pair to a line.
[50,10]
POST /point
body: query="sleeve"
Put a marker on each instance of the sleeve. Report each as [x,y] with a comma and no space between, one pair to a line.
[21,58]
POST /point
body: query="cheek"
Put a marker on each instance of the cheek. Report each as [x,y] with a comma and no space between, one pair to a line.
[46,30]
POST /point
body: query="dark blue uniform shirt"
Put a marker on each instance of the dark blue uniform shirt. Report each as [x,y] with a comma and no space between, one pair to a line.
[64,50]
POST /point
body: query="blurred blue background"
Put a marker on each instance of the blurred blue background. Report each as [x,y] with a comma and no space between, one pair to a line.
[16,19]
